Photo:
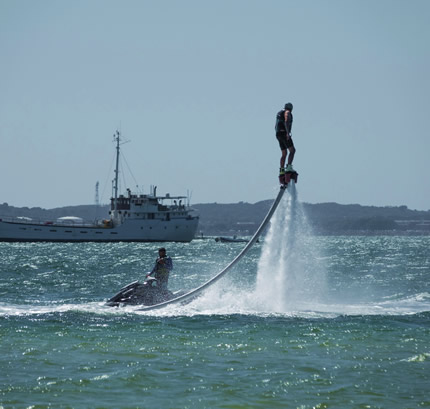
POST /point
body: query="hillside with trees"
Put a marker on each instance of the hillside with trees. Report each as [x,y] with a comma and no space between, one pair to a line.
[243,219]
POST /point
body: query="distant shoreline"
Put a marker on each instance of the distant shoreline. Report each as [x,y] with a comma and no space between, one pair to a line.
[243,219]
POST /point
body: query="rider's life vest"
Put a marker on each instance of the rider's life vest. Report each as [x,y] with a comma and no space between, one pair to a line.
[282,125]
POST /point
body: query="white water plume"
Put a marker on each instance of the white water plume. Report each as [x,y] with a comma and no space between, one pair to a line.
[290,275]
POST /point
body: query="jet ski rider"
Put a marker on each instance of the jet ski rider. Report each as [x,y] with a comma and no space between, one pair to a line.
[163,266]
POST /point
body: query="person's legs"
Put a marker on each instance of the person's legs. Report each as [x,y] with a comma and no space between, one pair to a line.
[292,151]
[283,158]
[162,282]
[282,139]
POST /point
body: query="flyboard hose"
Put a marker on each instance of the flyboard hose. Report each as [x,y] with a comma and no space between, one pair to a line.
[235,260]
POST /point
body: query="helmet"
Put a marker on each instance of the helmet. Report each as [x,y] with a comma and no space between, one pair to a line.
[289,106]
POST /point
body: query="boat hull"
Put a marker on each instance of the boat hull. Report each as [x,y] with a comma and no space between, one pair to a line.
[182,230]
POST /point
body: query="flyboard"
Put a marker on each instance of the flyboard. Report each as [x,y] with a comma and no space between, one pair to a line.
[193,293]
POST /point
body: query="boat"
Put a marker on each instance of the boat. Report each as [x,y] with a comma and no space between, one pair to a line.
[233,239]
[133,217]
[145,294]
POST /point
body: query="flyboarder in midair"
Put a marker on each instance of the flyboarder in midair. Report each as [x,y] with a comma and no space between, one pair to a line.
[284,123]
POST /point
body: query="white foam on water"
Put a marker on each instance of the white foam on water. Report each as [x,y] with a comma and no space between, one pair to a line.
[218,301]
[36,309]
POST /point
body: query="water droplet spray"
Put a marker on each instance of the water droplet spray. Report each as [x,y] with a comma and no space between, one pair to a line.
[289,272]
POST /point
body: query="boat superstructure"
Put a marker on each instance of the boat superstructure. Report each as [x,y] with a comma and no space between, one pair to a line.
[133,217]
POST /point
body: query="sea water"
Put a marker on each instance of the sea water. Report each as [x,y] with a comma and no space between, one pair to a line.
[302,321]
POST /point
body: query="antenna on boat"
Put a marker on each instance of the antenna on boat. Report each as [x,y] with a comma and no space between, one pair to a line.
[118,140]
[117,137]
[97,199]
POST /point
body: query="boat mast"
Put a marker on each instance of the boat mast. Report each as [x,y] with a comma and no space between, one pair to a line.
[115,209]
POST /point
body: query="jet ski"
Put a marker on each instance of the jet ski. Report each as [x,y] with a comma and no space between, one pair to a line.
[146,293]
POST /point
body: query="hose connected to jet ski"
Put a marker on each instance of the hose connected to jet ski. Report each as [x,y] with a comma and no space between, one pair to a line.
[213,280]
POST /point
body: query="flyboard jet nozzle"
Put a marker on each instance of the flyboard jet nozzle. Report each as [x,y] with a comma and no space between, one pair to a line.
[285,178]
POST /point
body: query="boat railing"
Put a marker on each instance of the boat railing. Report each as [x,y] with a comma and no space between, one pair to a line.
[44,222]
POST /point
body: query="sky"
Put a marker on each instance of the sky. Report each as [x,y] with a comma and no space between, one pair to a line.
[194,87]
